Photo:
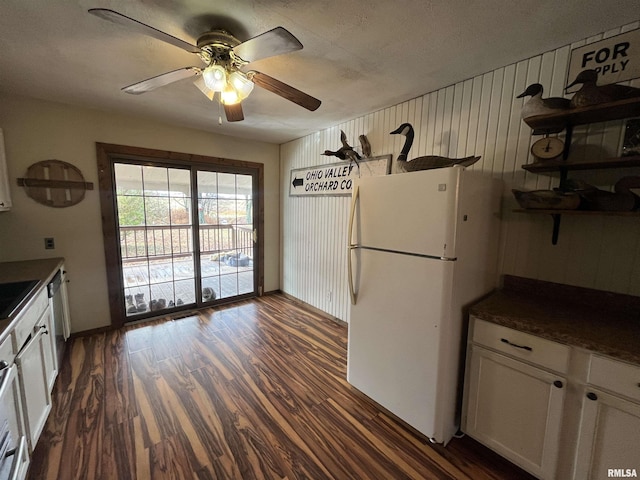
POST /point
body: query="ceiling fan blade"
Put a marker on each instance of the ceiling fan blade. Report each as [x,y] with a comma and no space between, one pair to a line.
[121,19]
[285,91]
[234,112]
[268,44]
[161,80]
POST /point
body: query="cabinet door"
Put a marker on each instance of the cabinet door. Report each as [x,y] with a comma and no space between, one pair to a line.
[45,324]
[10,406]
[609,436]
[36,400]
[515,409]
[21,460]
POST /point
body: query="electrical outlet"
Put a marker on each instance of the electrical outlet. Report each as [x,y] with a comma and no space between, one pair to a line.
[49,243]
[329,296]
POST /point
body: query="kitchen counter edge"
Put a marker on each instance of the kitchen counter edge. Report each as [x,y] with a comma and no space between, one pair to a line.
[602,322]
[42,270]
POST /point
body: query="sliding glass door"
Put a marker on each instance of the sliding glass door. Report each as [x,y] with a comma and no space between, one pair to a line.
[225,223]
[186,235]
[156,237]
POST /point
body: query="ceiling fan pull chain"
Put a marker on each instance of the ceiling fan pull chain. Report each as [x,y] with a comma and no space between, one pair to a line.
[219,113]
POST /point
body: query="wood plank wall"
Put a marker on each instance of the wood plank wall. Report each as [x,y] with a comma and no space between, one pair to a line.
[479,116]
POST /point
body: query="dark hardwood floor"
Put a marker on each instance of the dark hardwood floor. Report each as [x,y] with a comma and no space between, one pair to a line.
[252,390]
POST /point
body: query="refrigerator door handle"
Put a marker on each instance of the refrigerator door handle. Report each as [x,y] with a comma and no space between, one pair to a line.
[354,295]
[351,246]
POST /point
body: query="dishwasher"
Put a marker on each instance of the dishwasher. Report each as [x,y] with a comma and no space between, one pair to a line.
[59,310]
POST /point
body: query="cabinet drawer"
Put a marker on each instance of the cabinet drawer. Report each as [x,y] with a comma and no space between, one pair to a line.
[618,377]
[6,350]
[29,317]
[536,350]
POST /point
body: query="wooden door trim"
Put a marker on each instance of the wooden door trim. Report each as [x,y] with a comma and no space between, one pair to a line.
[107,154]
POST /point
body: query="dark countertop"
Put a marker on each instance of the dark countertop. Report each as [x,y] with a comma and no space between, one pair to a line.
[603,322]
[42,270]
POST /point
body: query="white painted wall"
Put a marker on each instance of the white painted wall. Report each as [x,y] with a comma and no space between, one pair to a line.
[476,116]
[36,130]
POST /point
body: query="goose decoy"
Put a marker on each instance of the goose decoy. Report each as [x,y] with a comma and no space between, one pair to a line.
[427,162]
[537,105]
[346,152]
[592,94]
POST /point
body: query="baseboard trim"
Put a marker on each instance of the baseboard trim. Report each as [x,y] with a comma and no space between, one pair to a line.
[186,313]
[312,309]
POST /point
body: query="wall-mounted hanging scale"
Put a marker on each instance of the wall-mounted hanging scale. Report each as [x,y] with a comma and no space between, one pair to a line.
[547,148]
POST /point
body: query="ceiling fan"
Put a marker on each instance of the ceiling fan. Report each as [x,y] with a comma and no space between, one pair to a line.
[224,56]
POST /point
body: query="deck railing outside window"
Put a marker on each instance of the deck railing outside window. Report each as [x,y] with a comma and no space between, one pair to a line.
[138,242]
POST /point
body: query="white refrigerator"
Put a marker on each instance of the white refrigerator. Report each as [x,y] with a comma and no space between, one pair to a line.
[422,247]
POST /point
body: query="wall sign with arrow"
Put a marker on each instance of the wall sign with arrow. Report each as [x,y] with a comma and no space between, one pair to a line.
[335,178]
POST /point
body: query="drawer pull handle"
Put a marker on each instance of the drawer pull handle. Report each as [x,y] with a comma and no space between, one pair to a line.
[3,365]
[592,396]
[523,347]
[557,384]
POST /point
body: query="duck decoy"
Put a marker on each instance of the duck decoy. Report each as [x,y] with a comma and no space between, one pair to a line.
[426,162]
[537,105]
[592,94]
[366,146]
[346,152]
[622,199]
[547,199]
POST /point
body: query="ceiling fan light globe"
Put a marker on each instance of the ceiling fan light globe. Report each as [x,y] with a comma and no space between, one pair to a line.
[215,77]
[199,82]
[229,95]
[242,84]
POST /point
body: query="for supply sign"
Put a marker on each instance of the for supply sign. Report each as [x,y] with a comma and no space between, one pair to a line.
[616,59]
[335,178]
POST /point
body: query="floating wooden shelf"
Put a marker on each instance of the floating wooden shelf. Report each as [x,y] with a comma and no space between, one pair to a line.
[557,215]
[583,115]
[567,119]
[557,165]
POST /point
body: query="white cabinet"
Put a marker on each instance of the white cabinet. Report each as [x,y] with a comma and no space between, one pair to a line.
[5,197]
[511,406]
[36,399]
[556,411]
[609,431]
[11,403]
[29,364]
[34,360]
[11,409]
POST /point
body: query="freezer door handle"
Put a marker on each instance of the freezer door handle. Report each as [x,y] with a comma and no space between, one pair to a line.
[351,246]
[352,214]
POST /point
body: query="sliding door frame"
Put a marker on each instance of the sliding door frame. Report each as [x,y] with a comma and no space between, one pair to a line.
[108,154]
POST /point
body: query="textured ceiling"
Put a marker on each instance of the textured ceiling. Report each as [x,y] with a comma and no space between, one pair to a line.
[358,56]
